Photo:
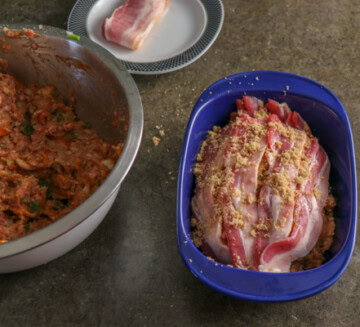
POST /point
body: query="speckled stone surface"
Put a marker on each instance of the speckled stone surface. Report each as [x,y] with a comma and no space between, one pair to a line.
[129,272]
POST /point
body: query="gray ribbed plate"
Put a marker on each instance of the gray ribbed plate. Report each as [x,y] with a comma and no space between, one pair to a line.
[214,12]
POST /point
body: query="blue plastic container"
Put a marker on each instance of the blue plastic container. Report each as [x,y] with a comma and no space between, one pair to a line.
[328,121]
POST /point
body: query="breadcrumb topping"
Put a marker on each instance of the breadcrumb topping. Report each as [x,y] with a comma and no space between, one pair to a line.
[156,140]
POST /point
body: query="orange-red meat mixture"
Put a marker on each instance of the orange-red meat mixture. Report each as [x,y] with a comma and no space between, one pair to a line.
[50,161]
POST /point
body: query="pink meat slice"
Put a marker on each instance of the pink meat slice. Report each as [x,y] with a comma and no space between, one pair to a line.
[251,104]
[296,121]
[131,23]
[244,185]
[203,202]
[224,239]
[277,256]
[275,211]
[308,216]
[281,110]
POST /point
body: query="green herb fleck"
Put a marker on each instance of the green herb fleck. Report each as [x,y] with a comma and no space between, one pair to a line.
[73,136]
[44,183]
[27,228]
[27,116]
[86,125]
[59,204]
[73,37]
[49,188]
[59,117]
[35,206]
[27,130]
[24,199]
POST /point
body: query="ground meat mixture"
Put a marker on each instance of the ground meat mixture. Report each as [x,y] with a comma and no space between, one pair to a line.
[50,161]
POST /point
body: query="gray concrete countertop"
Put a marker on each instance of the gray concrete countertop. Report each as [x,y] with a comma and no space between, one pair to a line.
[129,272]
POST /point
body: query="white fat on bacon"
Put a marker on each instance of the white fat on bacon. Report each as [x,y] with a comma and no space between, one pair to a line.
[131,23]
[243,190]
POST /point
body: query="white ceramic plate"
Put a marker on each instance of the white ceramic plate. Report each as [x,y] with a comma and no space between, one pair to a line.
[184,34]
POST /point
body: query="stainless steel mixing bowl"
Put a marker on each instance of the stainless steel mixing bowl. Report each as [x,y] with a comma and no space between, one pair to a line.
[99,84]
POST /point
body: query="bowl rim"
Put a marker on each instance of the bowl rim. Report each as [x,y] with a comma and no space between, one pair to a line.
[182,235]
[122,165]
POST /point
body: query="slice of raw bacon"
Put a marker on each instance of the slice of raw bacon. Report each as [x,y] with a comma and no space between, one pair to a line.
[132,22]
[228,239]
[238,196]
[248,105]
[296,121]
[308,216]
[276,209]
[281,110]
[277,256]
[203,202]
